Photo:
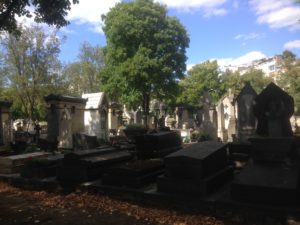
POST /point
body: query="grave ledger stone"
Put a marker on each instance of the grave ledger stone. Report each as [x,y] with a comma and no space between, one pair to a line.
[272,174]
[195,170]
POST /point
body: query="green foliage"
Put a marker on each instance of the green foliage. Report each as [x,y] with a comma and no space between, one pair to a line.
[235,81]
[290,77]
[83,75]
[145,53]
[31,70]
[51,12]
[200,78]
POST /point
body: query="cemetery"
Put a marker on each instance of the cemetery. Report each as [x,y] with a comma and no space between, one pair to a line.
[250,160]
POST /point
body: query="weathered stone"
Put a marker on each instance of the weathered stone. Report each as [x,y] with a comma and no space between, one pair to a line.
[273,109]
[15,163]
[134,173]
[157,145]
[196,170]
[246,120]
[196,161]
[267,183]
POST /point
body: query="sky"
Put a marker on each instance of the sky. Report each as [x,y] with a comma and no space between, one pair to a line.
[231,31]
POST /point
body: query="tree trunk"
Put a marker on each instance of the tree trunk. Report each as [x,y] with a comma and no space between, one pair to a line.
[146,102]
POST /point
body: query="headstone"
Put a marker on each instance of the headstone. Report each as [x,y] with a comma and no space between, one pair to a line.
[246,120]
[196,170]
[135,174]
[222,133]
[157,145]
[5,123]
[137,116]
[15,163]
[208,126]
[272,174]
[86,165]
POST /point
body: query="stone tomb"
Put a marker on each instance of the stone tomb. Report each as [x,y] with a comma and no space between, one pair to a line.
[272,175]
[86,165]
[15,163]
[196,170]
[246,120]
[157,145]
[135,174]
[43,167]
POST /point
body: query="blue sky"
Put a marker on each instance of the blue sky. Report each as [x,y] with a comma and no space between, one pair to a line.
[232,31]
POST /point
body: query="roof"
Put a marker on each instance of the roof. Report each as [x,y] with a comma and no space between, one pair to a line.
[94,100]
[5,103]
[64,98]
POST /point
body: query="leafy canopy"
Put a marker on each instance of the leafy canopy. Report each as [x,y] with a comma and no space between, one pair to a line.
[145,52]
[51,12]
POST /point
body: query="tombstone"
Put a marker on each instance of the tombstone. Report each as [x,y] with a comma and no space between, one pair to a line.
[196,170]
[5,123]
[137,116]
[246,120]
[222,133]
[208,126]
[65,116]
[134,174]
[272,174]
[96,115]
[87,165]
[157,145]
[229,116]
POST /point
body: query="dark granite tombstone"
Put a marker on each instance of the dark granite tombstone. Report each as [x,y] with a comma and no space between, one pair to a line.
[195,170]
[272,175]
[157,145]
[134,174]
[246,120]
[85,165]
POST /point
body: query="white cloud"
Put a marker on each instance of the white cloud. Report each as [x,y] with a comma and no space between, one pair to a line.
[209,7]
[277,14]
[242,60]
[292,44]
[89,12]
[250,36]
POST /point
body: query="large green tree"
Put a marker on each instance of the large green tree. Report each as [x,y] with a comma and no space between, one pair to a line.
[145,54]
[236,81]
[200,78]
[52,12]
[31,70]
[290,77]
[83,75]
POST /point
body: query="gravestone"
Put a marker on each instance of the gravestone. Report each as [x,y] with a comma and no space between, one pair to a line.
[86,165]
[137,116]
[135,174]
[157,145]
[246,120]
[208,126]
[222,133]
[272,174]
[5,123]
[15,163]
[195,170]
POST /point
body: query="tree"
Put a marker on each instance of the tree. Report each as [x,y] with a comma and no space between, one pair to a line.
[32,70]
[145,54]
[236,81]
[83,75]
[51,12]
[200,78]
[290,77]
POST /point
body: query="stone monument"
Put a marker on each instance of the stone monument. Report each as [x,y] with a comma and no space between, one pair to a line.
[246,120]
[272,174]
